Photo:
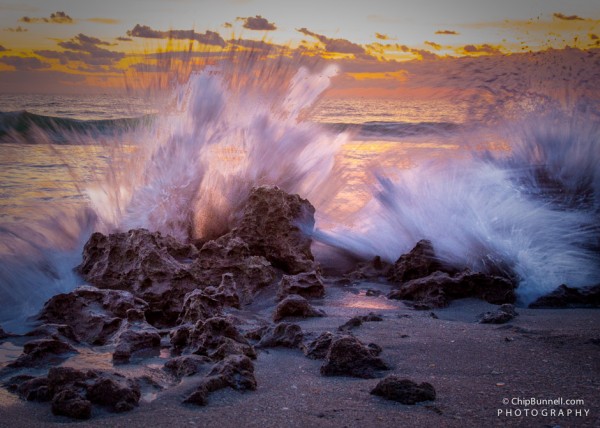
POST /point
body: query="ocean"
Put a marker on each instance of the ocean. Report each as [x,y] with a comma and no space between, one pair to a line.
[518,193]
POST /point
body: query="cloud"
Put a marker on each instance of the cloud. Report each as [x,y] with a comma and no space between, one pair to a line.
[207,38]
[447,32]
[257,23]
[335,45]
[434,45]
[564,17]
[253,44]
[31,81]
[55,18]
[382,36]
[86,49]
[24,63]
[124,39]
[109,21]
[227,25]
[485,48]
[18,29]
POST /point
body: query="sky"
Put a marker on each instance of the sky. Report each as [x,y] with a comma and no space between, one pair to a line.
[73,46]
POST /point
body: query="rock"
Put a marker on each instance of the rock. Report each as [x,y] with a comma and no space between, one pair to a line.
[295,306]
[404,391]
[570,297]
[198,305]
[42,351]
[117,393]
[216,338]
[226,292]
[439,288]
[70,402]
[318,348]
[347,356]
[54,331]
[236,371]
[58,377]
[277,226]
[283,334]
[36,389]
[134,337]
[418,263]
[502,315]
[308,285]
[358,320]
[370,270]
[187,365]
[93,314]
[3,334]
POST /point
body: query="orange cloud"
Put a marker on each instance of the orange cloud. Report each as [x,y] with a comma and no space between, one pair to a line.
[567,17]
[382,36]
[447,32]
[55,18]
[434,45]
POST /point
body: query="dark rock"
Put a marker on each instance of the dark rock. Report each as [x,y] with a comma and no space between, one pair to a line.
[502,315]
[55,331]
[295,306]
[439,288]
[375,349]
[372,293]
[42,351]
[370,270]
[404,391]
[70,402]
[308,285]
[179,337]
[93,314]
[187,365]
[216,338]
[199,397]
[570,297]
[36,389]
[318,348]
[58,377]
[347,356]
[277,226]
[199,305]
[358,320]
[418,263]
[117,393]
[134,337]
[283,334]
[226,292]
[3,334]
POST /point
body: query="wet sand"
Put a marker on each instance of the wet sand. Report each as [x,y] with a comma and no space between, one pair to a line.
[541,354]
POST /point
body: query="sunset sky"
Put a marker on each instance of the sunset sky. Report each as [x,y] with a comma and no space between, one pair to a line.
[68,46]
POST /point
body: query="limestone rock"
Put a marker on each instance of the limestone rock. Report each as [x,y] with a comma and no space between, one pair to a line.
[186,365]
[308,285]
[282,334]
[217,338]
[404,391]
[570,297]
[41,352]
[418,263]
[347,356]
[295,306]
[318,348]
[93,314]
[70,402]
[134,337]
[117,393]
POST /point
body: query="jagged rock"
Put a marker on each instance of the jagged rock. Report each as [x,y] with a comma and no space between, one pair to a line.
[347,356]
[404,391]
[358,320]
[58,377]
[216,338]
[439,288]
[197,306]
[135,336]
[117,393]
[70,402]
[226,292]
[308,285]
[42,351]
[187,365]
[93,314]
[295,306]
[277,226]
[283,334]
[418,263]
[55,331]
[502,315]
[3,334]
[236,371]
[369,270]
[35,389]
[570,297]
[318,348]
[179,337]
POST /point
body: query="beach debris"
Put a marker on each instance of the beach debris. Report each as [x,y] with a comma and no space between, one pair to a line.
[295,305]
[404,391]
[347,356]
[283,334]
[570,297]
[503,314]
[307,284]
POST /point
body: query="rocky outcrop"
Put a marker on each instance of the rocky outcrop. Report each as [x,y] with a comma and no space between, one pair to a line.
[283,334]
[404,391]
[3,334]
[295,306]
[236,371]
[135,335]
[116,393]
[69,402]
[277,226]
[186,365]
[308,285]
[570,297]
[502,315]
[439,288]
[94,315]
[418,263]
[42,352]
[347,356]
[318,348]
